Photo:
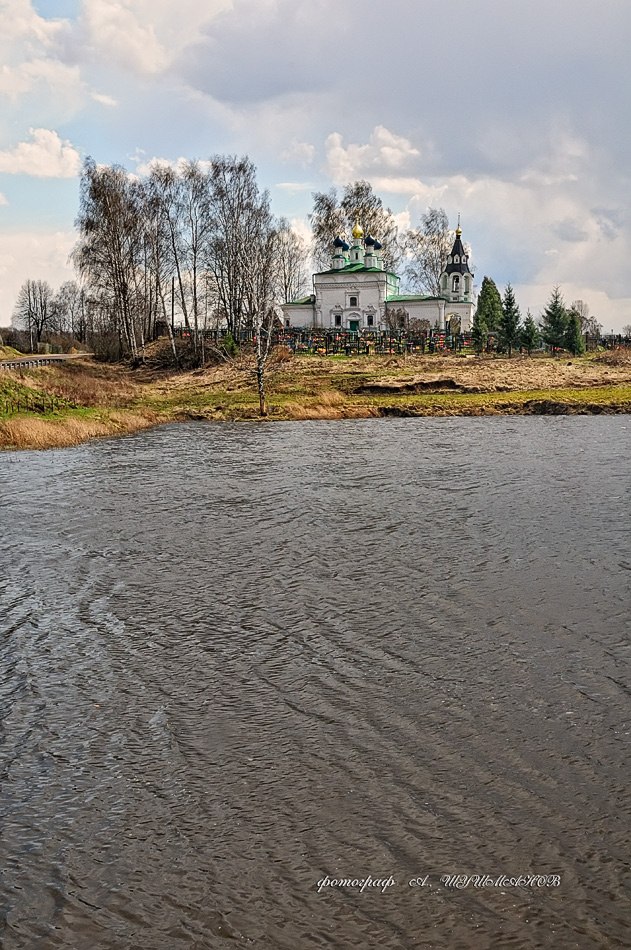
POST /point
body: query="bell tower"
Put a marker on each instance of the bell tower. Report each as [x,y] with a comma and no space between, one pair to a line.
[456,281]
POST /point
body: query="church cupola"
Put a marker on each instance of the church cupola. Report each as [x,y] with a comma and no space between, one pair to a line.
[456,281]
[370,258]
[377,248]
[339,255]
[357,248]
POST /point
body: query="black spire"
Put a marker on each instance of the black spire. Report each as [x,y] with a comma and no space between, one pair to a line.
[458,260]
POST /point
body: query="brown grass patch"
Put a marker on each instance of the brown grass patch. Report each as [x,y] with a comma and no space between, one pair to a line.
[88,384]
[28,432]
[615,358]
[329,404]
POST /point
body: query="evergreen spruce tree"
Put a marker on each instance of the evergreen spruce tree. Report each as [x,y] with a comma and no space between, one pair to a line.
[573,340]
[554,322]
[479,333]
[489,304]
[508,327]
[529,336]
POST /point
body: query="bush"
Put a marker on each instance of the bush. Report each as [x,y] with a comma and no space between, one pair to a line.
[228,344]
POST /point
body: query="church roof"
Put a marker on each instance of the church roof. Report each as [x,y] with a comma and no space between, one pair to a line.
[458,260]
[409,298]
[303,302]
[354,269]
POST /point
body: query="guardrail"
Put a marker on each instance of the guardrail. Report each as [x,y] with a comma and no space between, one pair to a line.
[40,360]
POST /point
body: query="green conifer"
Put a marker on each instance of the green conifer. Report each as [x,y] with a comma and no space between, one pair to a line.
[554,322]
[573,340]
[508,328]
[479,333]
[489,304]
[530,337]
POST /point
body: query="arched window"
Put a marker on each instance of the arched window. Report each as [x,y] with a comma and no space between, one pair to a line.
[456,258]
[352,302]
[338,319]
[444,282]
[456,284]
[466,285]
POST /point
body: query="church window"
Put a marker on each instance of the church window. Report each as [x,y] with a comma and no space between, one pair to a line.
[371,320]
[456,259]
[466,285]
[338,319]
[444,283]
[352,302]
[456,284]
[287,323]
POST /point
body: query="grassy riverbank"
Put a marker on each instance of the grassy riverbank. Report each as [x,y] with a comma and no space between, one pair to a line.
[67,403]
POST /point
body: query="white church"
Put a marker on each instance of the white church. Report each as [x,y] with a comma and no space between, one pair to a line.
[357,293]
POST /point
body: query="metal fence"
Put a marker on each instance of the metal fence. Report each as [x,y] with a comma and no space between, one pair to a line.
[333,341]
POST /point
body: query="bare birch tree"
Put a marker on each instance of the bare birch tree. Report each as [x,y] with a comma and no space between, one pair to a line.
[291,256]
[333,215]
[427,249]
[109,251]
[34,311]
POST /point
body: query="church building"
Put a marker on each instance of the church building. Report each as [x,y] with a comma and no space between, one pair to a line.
[356,293]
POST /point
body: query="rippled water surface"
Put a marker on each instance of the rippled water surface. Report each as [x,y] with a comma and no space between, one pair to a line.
[237,658]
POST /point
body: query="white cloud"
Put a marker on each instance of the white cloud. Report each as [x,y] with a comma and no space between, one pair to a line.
[45,157]
[384,152]
[301,227]
[19,22]
[129,39]
[3,199]
[144,165]
[37,256]
[46,77]
[300,153]
[104,99]
[140,36]
[294,187]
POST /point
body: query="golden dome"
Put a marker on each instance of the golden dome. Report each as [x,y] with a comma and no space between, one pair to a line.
[358,231]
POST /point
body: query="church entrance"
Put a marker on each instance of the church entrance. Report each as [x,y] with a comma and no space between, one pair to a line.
[353,326]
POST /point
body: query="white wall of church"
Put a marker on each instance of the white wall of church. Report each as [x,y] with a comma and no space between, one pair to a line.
[352,301]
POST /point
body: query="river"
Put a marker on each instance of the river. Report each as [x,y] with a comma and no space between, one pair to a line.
[240,662]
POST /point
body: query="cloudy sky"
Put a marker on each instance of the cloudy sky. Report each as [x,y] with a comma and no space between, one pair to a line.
[515,115]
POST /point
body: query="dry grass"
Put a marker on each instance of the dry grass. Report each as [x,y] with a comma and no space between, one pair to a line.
[120,399]
[29,432]
[325,404]
[615,358]
[84,383]
[9,353]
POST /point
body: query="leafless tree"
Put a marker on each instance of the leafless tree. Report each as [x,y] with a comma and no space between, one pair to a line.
[291,255]
[164,192]
[240,226]
[589,324]
[427,249]
[109,253]
[333,215]
[397,319]
[327,221]
[34,311]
